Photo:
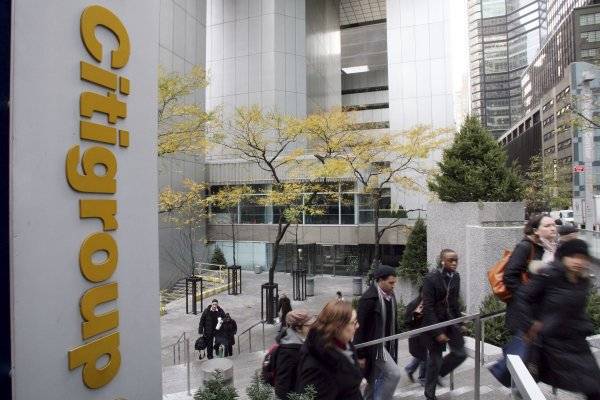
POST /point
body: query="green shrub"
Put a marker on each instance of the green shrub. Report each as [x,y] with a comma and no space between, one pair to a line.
[593,310]
[259,390]
[309,394]
[218,258]
[413,265]
[475,168]
[216,389]
[495,330]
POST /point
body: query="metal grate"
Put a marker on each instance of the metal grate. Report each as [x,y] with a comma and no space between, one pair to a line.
[358,11]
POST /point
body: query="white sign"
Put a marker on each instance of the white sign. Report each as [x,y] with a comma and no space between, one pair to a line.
[84,234]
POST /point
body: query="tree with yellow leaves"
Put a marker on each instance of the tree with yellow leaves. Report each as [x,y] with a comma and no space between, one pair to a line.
[182,124]
[375,159]
[182,128]
[276,144]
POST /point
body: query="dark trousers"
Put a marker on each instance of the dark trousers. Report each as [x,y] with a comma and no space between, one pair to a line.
[593,396]
[438,366]
[209,346]
[228,350]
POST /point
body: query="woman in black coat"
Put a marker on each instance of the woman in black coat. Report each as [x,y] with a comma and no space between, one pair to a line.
[537,245]
[558,322]
[225,335]
[290,341]
[328,359]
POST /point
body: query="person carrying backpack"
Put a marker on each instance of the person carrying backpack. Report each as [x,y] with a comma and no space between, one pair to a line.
[290,341]
[535,248]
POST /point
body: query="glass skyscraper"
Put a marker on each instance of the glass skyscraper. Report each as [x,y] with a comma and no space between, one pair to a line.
[504,36]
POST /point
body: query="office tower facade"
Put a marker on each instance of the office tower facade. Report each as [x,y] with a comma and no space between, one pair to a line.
[576,38]
[504,36]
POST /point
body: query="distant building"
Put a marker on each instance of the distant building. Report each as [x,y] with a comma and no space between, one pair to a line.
[504,36]
[524,140]
[575,38]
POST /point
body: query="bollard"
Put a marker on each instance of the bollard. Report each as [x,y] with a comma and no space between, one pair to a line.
[310,286]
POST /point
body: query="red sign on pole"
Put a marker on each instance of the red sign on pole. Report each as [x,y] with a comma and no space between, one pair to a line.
[578,168]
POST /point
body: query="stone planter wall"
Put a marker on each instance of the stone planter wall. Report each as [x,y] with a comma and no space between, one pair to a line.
[478,232]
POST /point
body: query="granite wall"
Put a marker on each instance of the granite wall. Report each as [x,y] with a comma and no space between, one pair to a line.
[479,233]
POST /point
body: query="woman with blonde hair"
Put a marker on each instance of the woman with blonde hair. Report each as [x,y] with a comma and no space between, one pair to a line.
[328,359]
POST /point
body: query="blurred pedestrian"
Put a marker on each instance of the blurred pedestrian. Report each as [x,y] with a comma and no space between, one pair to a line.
[377,319]
[553,315]
[284,306]
[327,359]
[208,323]
[535,249]
[338,296]
[225,335]
[441,293]
[416,344]
[290,341]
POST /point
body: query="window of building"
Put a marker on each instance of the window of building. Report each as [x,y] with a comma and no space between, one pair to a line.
[564,144]
[548,136]
[547,106]
[589,53]
[548,120]
[589,19]
[591,36]
[365,206]
[549,150]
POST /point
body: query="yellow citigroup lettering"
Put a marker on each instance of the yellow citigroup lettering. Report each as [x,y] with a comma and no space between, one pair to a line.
[93,170]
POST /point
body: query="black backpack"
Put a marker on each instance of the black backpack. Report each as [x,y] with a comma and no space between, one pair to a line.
[269,365]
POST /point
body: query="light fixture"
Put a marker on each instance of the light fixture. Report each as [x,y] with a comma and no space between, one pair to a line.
[356,70]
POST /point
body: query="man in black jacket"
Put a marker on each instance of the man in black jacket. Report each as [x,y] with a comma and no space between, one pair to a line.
[376,316]
[441,291]
[208,324]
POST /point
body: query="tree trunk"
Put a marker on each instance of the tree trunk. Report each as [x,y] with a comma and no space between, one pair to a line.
[232,214]
[280,234]
[377,237]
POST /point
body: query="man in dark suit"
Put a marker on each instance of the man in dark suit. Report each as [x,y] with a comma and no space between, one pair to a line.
[376,316]
[208,324]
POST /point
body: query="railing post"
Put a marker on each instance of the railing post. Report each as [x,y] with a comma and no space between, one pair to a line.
[187,356]
[174,355]
[451,380]
[250,341]
[238,340]
[477,388]
[263,335]
[482,342]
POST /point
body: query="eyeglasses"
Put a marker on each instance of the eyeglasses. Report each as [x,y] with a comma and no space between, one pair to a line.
[354,323]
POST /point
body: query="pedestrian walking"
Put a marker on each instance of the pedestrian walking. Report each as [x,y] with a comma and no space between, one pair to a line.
[327,358]
[377,319]
[536,248]
[552,310]
[338,295]
[290,341]
[284,306]
[441,292]
[416,344]
[225,335]
[208,324]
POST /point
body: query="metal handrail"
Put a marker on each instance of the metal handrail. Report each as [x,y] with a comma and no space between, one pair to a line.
[177,355]
[522,379]
[476,318]
[249,331]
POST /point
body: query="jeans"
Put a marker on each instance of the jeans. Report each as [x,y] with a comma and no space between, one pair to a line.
[385,377]
[414,364]
[438,366]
